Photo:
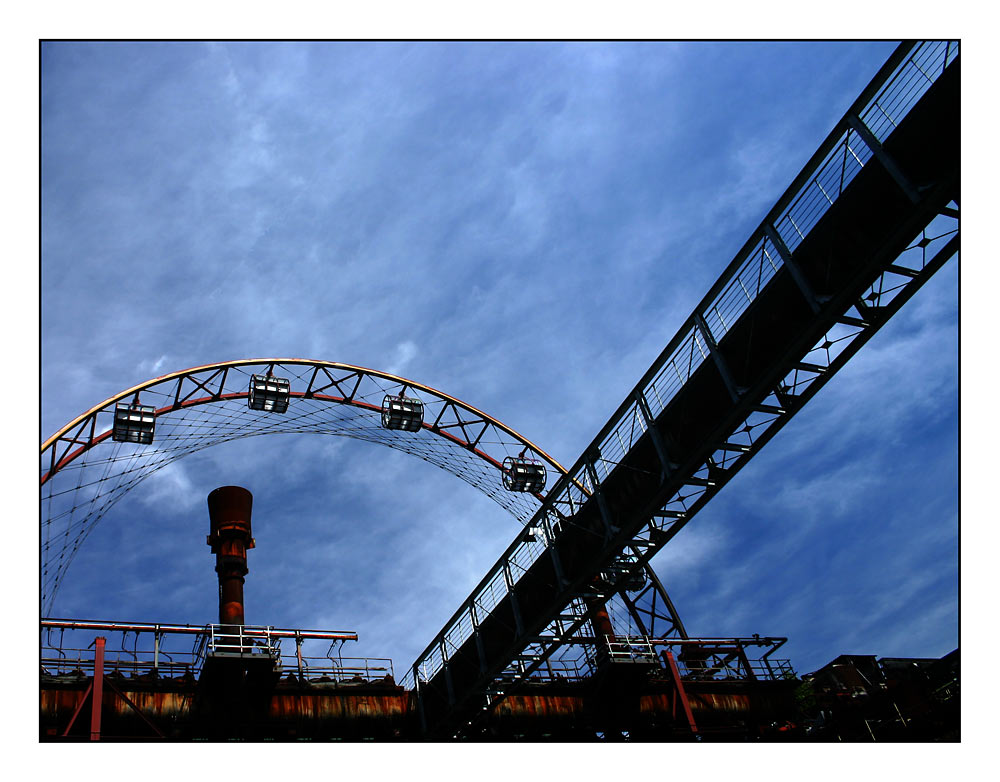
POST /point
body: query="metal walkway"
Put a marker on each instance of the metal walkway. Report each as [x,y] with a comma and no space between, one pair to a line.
[870,218]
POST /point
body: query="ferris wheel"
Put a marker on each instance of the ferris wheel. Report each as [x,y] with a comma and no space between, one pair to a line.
[93,461]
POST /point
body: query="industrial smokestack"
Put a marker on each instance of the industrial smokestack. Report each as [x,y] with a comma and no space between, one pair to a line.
[604,631]
[229,510]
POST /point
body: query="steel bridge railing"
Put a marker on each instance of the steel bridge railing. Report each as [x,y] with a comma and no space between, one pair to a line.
[241,640]
[179,651]
[702,659]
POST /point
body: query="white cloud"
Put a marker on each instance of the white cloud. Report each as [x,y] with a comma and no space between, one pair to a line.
[149,369]
[403,355]
[170,487]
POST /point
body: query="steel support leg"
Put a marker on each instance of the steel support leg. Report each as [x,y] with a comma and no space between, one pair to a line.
[679,685]
[97,695]
[883,157]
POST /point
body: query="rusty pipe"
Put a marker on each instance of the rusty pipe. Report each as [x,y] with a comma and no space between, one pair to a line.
[600,622]
[132,627]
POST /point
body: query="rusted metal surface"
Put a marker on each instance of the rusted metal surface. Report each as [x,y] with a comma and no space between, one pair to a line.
[720,702]
[165,705]
[639,695]
[651,701]
[542,707]
[328,710]
[336,707]
[681,694]
[97,691]
[660,702]
[128,708]
[78,708]
[229,509]
[756,700]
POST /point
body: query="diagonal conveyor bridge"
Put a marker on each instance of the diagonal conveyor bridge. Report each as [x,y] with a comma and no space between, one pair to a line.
[869,219]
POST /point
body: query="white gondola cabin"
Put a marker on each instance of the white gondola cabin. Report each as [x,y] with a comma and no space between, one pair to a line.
[134,423]
[520,474]
[400,412]
[269,393]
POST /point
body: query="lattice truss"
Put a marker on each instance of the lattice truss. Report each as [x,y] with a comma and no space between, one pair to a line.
[85,471]
[568,649]
[928,251]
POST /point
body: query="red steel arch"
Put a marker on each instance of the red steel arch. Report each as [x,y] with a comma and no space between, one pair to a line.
[84,471]
[86,423]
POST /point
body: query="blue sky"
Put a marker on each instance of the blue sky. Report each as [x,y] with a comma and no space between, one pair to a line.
[523,226]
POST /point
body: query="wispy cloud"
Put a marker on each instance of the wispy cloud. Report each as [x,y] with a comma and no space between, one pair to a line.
[170,487]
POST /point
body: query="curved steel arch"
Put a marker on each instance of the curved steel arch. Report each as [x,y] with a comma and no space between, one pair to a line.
[84,471]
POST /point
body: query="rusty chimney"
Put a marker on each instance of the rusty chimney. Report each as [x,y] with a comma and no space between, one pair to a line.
[229,510]
[604,631]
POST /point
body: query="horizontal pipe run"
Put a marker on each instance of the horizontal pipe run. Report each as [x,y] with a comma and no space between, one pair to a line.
[64,624]
[717,641]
